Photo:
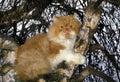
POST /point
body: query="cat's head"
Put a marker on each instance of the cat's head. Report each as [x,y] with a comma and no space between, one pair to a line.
[64,27]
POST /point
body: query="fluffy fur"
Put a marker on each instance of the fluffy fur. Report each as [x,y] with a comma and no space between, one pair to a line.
[43,52]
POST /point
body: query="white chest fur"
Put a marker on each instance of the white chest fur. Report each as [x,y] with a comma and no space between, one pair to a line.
[67,54]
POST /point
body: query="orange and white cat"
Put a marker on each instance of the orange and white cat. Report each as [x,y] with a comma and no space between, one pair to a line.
[42,53]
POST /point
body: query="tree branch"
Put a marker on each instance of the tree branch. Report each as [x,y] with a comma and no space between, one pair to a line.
[87,30]
[89,70]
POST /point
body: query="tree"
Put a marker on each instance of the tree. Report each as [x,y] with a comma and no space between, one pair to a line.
[98,39]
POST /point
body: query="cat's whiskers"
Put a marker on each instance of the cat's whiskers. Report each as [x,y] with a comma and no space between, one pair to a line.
[68,43]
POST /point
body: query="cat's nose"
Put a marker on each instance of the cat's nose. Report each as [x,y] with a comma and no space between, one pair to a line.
[66,30]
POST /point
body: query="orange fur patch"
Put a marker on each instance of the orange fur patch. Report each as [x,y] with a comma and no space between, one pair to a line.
[35,56]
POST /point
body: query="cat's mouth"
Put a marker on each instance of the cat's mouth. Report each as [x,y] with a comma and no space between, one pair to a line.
[67,35]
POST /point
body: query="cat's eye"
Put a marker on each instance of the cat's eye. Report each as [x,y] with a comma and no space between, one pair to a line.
[71,26]
[61,26]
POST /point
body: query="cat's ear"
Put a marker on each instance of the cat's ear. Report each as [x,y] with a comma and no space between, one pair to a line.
[55,18]
[75,15]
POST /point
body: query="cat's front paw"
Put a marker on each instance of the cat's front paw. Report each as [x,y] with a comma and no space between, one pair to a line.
[82,59]
[79,59]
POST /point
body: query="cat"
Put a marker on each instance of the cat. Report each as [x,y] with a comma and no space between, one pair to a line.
[43,52]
